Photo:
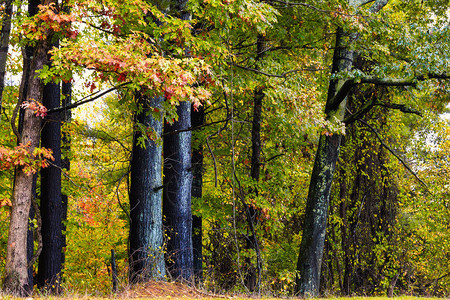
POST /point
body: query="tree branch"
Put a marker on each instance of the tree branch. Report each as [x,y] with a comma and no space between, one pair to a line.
[356,116]
[402,81]
[395,154]
[369,105]
[349,83]
[402,107]
[304,5]
[282,75]
[89,98]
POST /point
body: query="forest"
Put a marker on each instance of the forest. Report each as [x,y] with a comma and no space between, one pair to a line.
[263,147]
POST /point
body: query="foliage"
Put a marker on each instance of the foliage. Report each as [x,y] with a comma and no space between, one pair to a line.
[383,224]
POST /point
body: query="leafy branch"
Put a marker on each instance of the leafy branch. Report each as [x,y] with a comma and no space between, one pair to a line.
[349,83]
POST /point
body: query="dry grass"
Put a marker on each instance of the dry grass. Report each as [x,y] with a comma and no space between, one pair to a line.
[174,290]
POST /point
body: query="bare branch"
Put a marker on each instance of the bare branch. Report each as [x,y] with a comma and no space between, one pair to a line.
[118,196]
[402,107]
[395,154]
[282,75]
[304,5]
[370,104]
[89,98]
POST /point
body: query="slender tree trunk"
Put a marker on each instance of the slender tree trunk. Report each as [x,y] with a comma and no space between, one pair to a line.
[197,117]
[16,275]
[4,45]
[177,194]
[50,260]
[146,233]
[313,238]
[27,52]
[254,275]
[66,117]
[66,91]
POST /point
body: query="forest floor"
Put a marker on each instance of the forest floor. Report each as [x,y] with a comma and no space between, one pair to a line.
[174,290]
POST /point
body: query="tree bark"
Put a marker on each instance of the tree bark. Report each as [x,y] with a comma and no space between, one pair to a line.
[16,275]
[313,238]
[66,100]
[51,207]
[146,233]
[253,280]
[27,59]
[197,117]
[177,195]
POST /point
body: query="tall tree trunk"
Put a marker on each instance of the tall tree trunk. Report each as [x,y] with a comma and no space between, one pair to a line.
[66,100]
[16,275]
[66,117]
[146,233]
[197,117]
[177,194]
[49,269]
[178,184]
[27,54]
[254,274]
[4,45]
[314,228]
[316,211]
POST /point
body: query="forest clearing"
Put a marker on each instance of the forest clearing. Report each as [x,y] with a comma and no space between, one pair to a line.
[253,147]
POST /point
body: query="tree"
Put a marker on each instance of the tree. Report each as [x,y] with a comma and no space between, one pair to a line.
[311,248]
[177,194]
[146,232]
[171,76]
[16,279]
[66,92]
[364,202]
[51,205]
[197,120]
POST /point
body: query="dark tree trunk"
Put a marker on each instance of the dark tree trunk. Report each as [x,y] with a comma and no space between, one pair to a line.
[146,233]
[4,45]
[314,228]
[177,194]
[253,276]
[197,117]
[256,123]
[51,207]
[66,116]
